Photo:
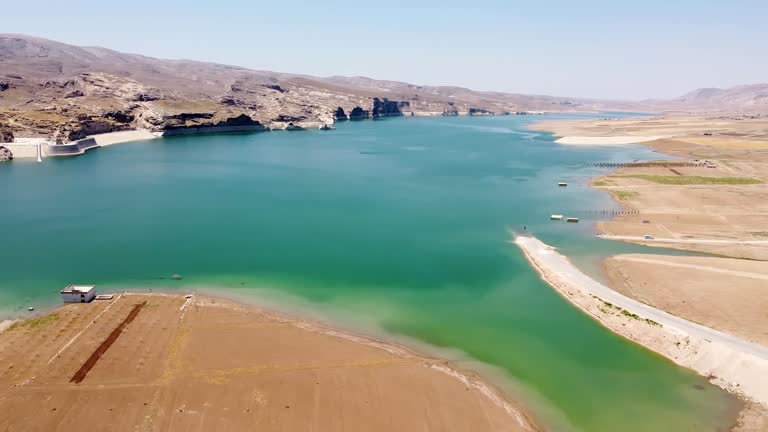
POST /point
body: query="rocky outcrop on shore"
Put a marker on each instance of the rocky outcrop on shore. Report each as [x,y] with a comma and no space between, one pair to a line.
[5,154]
[188,123]
[340,114]
[387,108]
[64,93]
[479,111]
[358,113]
[6,135]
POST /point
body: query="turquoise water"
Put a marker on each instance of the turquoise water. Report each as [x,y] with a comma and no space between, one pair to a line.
[400,225]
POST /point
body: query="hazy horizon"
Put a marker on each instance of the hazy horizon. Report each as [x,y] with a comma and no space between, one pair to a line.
[600,50]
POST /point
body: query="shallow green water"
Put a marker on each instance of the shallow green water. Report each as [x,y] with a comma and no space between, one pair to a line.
[398,224]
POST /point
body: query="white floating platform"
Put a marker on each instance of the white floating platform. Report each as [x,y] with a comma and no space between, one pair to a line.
[557,217]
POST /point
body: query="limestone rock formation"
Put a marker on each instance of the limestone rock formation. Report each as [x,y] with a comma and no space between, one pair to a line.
[340,114]
[358,113]
[385,108]
[450,111]
[56,89]
[479,111]
[5,154]
[6,136]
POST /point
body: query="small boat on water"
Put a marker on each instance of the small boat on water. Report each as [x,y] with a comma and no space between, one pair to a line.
[556,217]
[562,184]
[572,219]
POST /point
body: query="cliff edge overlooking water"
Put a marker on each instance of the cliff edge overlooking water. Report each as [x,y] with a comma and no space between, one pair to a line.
[64,93]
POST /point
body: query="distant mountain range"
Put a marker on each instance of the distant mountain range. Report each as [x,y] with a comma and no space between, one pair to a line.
[49,88]
[743,97]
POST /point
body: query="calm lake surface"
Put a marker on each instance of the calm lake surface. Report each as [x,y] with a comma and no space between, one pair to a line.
[398,225]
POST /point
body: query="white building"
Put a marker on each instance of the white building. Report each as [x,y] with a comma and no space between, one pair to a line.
[78,293]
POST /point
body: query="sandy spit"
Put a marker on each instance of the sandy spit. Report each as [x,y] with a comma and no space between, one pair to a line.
[733,364]
[607,140]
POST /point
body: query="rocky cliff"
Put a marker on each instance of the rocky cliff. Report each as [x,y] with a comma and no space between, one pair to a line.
[67,92]
[6,135]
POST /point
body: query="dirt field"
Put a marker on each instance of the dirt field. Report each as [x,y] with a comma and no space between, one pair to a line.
[728,201]
[720,206]
[694,211]
[730,295]
[207,364]
[727,209]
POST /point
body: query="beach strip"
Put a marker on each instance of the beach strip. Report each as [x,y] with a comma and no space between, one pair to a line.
[120,137]
[729,362]
[607,140]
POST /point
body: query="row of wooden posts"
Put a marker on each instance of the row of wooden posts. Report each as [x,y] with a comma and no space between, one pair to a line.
[610,212]
[642,164]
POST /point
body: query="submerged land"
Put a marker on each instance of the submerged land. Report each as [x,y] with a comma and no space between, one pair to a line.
[189,363]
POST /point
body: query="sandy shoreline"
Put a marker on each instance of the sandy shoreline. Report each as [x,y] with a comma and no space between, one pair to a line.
[720,208]
[616,140]
[203,363]
[570,132]
[120,137]
[736,365]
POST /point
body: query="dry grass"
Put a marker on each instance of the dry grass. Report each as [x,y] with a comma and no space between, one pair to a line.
[34,323]
[625,195]
[694,180]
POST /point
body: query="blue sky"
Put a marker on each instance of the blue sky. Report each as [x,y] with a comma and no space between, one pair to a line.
[609,49]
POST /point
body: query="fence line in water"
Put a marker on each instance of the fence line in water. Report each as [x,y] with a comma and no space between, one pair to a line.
[642,164]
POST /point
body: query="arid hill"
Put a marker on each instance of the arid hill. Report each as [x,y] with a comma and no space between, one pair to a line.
[49,88]
[66,92]
[739,102]
[745,97]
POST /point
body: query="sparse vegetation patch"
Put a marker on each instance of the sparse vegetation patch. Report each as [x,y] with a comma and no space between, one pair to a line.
[694,180]
[602,182]
[35,322]
[610,306]
[626,195]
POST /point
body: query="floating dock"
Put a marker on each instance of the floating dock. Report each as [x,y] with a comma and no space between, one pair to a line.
[556,217]
[572,219]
